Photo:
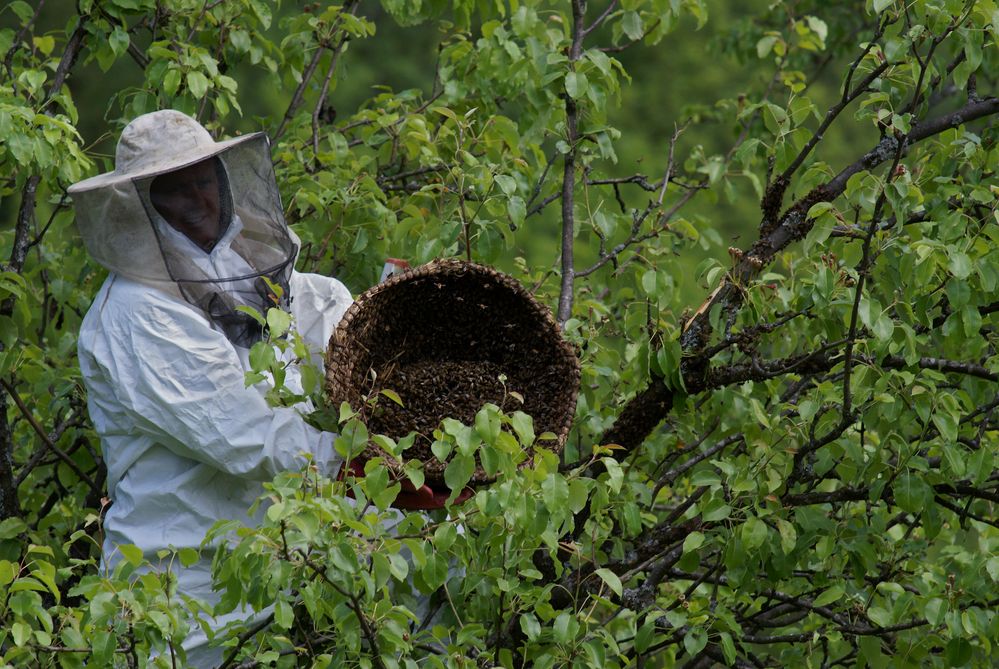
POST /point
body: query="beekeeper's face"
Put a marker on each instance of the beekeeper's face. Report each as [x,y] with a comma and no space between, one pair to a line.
[188,199]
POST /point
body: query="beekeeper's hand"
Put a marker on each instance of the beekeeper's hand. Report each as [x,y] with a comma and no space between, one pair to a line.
[425,498]
[411,498]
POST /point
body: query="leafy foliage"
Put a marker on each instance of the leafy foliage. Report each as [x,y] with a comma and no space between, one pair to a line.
[823,490]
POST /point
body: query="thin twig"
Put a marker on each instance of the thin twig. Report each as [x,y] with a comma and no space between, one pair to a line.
[296,98]
[8,61]
[40,431]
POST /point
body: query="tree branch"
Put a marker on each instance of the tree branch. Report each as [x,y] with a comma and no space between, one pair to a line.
[296,98]
[40,431]
[565,297]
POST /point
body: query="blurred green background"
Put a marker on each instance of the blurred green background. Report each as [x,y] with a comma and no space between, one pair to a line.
[677,82]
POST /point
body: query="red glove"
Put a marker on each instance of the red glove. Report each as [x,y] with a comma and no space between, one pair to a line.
[412,498]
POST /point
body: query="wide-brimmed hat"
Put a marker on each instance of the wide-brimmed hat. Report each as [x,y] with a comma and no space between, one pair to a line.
[448,337]
[159,142]
[122,230]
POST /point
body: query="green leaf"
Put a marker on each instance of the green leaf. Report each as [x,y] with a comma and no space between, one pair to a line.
[458,472]
[960,264]
[829,596]
[118,40]
[715,513]
[11,528]
[879,616]
[645,636]
[912,493]
[530,626]
[765,44]
[754,532]
[576,85]
[692,542]
[250,311]
[958,652]
[171,82]
[615,475]
[240,40]
[611,579]
[818,26]
[197,83]
[102,606]
[947,424]
[788,535]
[8,571]
[631,24]
[278,322]
[352,440]
[188,556]
[44,43]
[392,395]
[22,9]
[881,5]
[283,614]
[870,650]
[20,633]
[935,610]
[991,566]
[694,641]
[728,649]
[263,11]
[563,629]
[523,425]
[883,327]
[579,493]
[131,553]
[441,449]
[261,356]
[516,208]
[487,424]
[506,183]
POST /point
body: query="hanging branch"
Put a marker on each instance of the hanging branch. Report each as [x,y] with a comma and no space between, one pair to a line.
[324,91]
[296,99]
[9,505]
[321,46]
[651,405]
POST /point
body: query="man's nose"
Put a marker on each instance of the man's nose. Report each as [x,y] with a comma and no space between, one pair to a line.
[207,197]
[195,199]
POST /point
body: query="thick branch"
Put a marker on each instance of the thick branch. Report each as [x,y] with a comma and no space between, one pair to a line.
[794,224]
[9,504]
[565,297]
[972,111]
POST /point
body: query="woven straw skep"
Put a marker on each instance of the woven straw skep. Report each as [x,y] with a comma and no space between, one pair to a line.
[441,336]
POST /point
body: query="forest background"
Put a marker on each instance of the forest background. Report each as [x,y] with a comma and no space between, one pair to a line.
[770,225]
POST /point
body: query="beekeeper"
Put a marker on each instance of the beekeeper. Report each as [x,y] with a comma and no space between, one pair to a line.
[189,229]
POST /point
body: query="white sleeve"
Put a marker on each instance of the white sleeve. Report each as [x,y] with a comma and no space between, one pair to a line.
[183,385]
[319,302]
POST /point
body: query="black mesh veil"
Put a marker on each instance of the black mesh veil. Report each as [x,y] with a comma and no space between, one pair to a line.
[253,246]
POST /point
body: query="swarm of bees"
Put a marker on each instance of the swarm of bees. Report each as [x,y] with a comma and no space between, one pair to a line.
[444,339]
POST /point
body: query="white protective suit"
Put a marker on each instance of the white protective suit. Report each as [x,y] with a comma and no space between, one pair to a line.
[185,442]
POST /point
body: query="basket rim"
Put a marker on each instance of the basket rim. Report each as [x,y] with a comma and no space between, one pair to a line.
[339,358]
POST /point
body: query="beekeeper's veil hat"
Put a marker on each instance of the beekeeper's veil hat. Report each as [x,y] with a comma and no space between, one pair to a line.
[125,233]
